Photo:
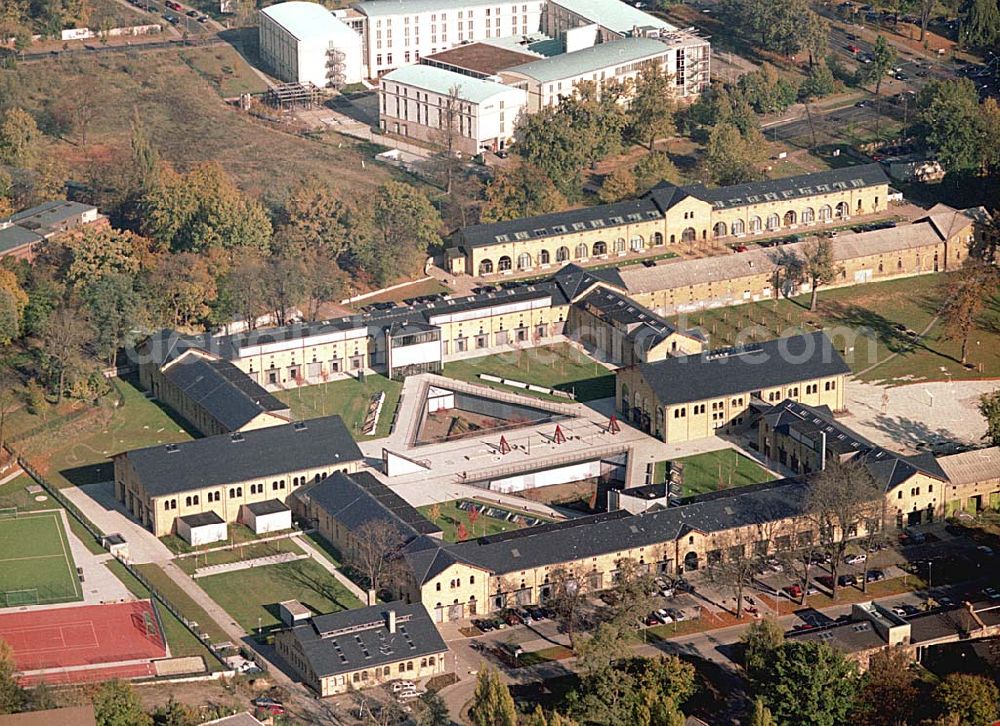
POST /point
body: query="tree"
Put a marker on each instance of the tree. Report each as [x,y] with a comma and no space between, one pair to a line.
[13,301]
[818,83]
[283,285]
[949,123]
[492,704]
[761,641]
[981,24]
[972,698]
[618,185]
[175,713]
[145,158]
[967,294]
[18,136]
[842,498]
[761,715]
[117,704]
[732,159]
[634,690]
[65,338]
[887,690]
[184,285]
[116,309]
[819,267]
[654,168]
[315,217]
[9,397]
[449,134]
[550,141]
[989,407]
[520,190]
[12,696]
[816,36]
[90,253]
[736,566]
[537,717]
[810,683]
[567,600]
[883,60]
[374,552]
[766,90]
[78,104]
[651,111]
[242,291]
[435,712]
[630,594]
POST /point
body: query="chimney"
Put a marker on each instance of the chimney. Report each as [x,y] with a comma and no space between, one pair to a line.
[392,621]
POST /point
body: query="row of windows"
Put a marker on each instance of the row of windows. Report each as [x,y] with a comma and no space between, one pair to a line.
[234,492]
[456,582]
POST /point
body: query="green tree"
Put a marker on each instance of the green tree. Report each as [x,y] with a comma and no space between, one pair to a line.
[731,158]
[492,704]
[597,118]
[883,59]
[818,83]
[64,342]
[18,137]
[887,691]
[520,190]
[651,111]
[536,718]
[967,294]
[810,683]
[117,704]
[761,641]
[184,286]
[819,267]
[761,715]
[618,185]
[13,301]
[116,309]
[145,158]
[972,698]
[12,696]
[981,23]
[948,123]
[316,217]
[766,90]
[175,713]
[549,141]
[989,407]
[653,169]
[435,712]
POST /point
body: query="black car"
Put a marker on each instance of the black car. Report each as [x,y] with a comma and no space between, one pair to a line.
[847,580]
[875,575]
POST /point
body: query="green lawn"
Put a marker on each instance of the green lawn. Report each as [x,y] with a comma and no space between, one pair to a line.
[35,558]
[77,452]
[182,601]
[557,366]
[716,470]
[870,322]
[237,554]
[225,70]
[451,516]
[252,596]
[239,534]
[348,398]
[13,494]
[181,640]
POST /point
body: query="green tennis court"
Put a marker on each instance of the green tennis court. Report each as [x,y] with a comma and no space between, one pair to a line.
[36,566]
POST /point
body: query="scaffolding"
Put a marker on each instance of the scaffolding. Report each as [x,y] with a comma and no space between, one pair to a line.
[292,95]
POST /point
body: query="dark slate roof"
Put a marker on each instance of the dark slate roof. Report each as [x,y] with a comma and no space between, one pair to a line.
[602,216]
[202,519]
[849,637]
[354,499]
[812,423]
[165,346]
[665,195]
[354,639]
[14,237]
[269,506]
[49,214]
[641,326]
[792,187]
[611,532]
[173,468]
[223,391]
[719,373]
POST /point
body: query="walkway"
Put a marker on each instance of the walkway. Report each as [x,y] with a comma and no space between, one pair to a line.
[277,559]
[325,563]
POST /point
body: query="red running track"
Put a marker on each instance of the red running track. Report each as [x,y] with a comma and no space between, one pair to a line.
[85,635]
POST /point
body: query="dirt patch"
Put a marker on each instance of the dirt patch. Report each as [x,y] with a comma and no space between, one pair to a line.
[579,491]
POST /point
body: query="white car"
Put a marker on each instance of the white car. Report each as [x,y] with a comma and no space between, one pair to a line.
[664,616]
[399,686]
[856,559]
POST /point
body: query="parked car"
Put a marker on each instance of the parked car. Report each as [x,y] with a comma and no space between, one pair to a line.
[677,615]
[263,701]
[988,551]
[875,575]
[651,620]
[856,559]
[853,49]
[664,616]
[397,686]
[793,591]
[512,618]
[847,580]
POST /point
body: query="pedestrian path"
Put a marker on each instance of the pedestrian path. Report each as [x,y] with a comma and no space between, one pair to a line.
[323,562]
[276,559]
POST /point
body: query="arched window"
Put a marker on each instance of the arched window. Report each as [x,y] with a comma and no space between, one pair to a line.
[187,501]
[637,244]
[503,264]
[739,227]
[808,215]
[600,248]
[620,244]
[673,239]
[562,254]
[825,213]
[486,267]
[523,261]
[657,239]
[581,251]
[754,225]
[790,217]
[689,235]
[773,221]
[543,257]
[719,229]
[842,210]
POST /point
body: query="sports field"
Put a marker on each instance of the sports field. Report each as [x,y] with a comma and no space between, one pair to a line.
[36,565]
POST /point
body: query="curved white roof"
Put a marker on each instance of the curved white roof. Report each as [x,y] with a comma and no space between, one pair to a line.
[305,20]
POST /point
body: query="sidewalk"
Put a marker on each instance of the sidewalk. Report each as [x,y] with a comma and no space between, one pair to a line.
[276,559]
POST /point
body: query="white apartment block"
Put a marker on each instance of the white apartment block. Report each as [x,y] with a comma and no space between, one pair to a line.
[303,42]
[417,101]
[400,32]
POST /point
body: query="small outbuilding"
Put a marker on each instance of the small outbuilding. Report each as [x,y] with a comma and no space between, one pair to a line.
[202,528]
[292,612]
[270,515]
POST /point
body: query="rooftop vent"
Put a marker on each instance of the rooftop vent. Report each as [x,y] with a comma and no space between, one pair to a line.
[299,426]
[172,448]
[237,437]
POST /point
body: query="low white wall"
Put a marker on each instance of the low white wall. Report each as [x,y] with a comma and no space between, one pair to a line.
[559,475]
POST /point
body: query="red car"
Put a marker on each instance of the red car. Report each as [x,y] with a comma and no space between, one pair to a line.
[794,591]
[854,49]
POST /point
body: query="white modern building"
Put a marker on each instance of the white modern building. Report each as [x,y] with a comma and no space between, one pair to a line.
[683,55]
[303,42]
[400,32]
[418,100]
